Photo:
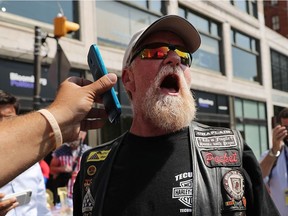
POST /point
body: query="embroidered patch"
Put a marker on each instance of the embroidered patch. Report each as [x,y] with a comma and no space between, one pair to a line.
[86,184]
[215,138]
[91,170]
[98,155]
[184,193]
[233,182]
[88,202]
[220,158]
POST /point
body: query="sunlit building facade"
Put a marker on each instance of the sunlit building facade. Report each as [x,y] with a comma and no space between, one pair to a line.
[240,71]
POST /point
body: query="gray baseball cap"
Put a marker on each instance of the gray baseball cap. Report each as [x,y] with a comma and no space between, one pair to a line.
[173,23]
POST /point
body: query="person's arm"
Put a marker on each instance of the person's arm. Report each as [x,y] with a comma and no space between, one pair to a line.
[267,163]
[26,139]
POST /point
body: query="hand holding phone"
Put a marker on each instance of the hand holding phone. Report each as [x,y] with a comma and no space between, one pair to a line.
[22,197]
[98,69]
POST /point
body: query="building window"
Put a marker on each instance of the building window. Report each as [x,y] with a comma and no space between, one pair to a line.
[275,23]
[117,22]
[245,55]
[43,11]
[247,6]
[279,65]
[274,2]
[151,5]
[209,54]
[251,122]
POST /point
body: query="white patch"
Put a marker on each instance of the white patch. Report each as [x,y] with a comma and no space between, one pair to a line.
[88,202]
[184,193]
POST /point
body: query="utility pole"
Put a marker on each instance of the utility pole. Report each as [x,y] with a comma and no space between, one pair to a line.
[59,63]
[37,68]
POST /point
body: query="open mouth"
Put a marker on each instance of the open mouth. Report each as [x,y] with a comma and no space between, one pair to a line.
[170,83]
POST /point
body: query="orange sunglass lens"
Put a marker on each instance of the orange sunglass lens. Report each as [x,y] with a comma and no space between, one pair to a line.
[157,53]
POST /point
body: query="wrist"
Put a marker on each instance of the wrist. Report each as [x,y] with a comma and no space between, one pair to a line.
[273,153]
[54,126]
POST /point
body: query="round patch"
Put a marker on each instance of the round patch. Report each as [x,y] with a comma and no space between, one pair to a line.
[233,182]
[91,170]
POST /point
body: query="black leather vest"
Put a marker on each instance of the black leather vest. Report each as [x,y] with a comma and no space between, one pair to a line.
[218,181]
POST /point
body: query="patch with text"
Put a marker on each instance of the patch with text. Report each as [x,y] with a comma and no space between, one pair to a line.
[221,158]
[215,138]
[184,192]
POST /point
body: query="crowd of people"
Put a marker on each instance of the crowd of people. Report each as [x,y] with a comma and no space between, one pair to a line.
[166,164]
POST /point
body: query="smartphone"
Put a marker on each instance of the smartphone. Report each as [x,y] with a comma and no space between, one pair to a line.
[98,69]
[22,197]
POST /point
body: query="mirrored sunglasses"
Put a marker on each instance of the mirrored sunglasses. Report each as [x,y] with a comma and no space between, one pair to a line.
[160,51]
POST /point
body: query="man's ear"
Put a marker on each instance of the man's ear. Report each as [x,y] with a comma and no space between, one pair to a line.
[128,79]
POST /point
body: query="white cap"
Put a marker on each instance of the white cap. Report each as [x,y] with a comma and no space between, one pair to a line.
[173,23]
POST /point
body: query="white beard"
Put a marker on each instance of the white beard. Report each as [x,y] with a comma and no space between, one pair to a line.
[170,113]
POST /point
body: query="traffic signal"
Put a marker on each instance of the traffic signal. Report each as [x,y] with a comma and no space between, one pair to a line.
[63,27]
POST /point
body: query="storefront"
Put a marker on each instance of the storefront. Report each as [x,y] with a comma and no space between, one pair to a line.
[17,78]
[212,109]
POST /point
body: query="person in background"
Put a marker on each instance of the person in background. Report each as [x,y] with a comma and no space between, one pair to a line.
[168,164]
[274,163]
[69,113]
[32,178]
[64,166]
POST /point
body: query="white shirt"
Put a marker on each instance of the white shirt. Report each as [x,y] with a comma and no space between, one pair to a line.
[30,179]
[279,182]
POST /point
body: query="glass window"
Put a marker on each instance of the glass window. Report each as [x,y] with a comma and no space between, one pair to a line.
[238,108]
[275,23]
[274,2]
[151,5]
[242,41]
[250,109]
[44,11]
[208,55]
[252,137]
[279,71]
[244,65]
[117,22]
[247,6]
[262,111]
[263,138]
[242,5]
[251,121]
[245,55]
[198,22]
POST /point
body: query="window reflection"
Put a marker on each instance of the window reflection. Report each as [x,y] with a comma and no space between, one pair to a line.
[279,65]
[245,56]
[251,120]
[116,22]
[208,54]
[43,11]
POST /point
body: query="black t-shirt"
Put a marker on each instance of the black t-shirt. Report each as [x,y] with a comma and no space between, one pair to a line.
[151,176]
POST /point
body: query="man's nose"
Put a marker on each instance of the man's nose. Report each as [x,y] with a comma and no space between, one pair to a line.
[172,58]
